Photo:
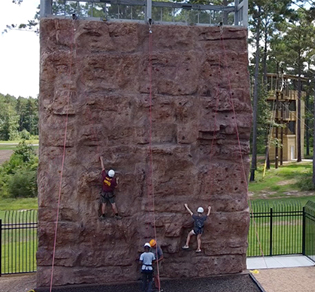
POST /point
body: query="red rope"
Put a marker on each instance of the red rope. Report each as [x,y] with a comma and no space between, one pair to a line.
[217,94]
[151,189]
[62,166]
[238,138]
[233,109]
[151,186]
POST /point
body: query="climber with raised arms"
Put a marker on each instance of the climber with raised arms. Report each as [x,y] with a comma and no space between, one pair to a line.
[109,184]
[199,221]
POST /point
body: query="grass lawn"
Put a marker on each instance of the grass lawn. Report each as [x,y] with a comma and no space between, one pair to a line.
[286,239]
[22,260]
[19,241]
[275,201]
[18,204]
[287,181]
[18,141]
[7,147]
[11,145]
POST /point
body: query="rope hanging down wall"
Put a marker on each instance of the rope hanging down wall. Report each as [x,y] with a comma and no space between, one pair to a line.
[63,156]
[151,193]
[245,178]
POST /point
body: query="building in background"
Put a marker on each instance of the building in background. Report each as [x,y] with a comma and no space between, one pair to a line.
[283,98]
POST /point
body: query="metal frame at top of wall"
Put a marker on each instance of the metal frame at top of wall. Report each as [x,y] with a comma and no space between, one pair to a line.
[240,9]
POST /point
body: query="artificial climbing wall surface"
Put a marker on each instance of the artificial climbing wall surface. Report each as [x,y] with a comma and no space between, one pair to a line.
[188,142]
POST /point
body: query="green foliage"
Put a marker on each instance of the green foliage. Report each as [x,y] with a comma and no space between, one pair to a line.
[305,182]
[25,135]
[23,183]
[18,117]
[279,182]
[18,176]
[294,45]
[25,151]
[284,43]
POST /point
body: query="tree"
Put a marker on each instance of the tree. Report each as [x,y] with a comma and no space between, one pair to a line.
[266,15]
[8,118]
[18,117]
[31,117]
[18,175]
[257,16]
[292,48]
[21,111]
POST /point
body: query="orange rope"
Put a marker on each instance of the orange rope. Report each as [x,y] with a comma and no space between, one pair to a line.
[238,139]
[151,186]
[62,164]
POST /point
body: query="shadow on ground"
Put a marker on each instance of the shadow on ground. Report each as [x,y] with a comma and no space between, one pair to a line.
[227,283]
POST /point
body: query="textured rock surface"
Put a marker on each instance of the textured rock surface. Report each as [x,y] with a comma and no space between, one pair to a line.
[95,79]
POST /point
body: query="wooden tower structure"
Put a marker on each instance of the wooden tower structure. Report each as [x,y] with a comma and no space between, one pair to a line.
[283,97]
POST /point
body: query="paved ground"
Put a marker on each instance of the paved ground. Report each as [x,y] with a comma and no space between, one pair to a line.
[232,283]
[272,280]
[5,155]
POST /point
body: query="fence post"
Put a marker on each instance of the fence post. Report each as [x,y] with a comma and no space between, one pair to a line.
[149,11]
[0,246]
[270,243]
[303,232]
[245,13]
[237,13]
[45,8]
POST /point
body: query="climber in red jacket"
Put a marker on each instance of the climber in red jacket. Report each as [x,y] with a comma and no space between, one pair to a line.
[107,194]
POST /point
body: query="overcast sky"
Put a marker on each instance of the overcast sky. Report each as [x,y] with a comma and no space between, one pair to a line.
[19,51]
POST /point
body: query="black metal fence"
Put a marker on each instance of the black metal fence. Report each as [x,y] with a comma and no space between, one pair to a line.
[309,230]
[18,241]
[281,229]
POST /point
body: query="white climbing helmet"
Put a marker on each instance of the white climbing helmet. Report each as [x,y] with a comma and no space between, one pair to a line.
[111,173]
[147,245]
[200,210]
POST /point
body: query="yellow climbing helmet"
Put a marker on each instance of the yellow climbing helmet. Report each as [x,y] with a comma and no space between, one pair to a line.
[153,242]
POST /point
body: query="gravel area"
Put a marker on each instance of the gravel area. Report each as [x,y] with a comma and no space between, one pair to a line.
[272,280]
[229,283]
[18,283]
[300,279]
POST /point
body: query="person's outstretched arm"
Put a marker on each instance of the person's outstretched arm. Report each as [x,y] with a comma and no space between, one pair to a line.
[102,163]
[190,212]
[209,210]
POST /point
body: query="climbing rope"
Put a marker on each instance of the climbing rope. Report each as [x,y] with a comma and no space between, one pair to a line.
[150,178]
[238,138]
[217,97]
[63,160]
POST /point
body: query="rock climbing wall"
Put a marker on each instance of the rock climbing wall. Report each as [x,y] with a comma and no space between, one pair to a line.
[189,143]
